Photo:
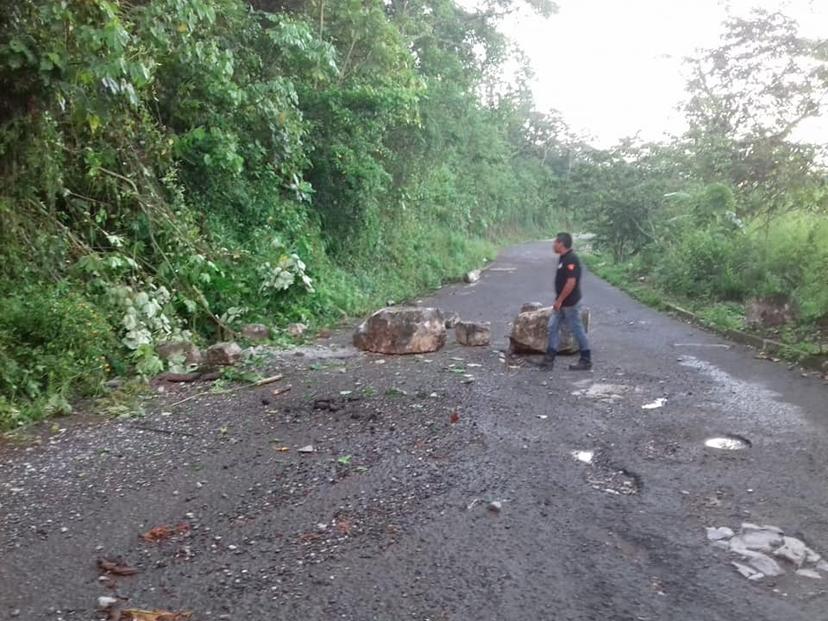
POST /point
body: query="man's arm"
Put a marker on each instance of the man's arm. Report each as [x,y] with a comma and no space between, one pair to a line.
[569,285]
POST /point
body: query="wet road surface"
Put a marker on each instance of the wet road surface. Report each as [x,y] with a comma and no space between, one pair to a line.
[602,503]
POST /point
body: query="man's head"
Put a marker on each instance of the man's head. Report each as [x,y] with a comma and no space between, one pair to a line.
[563,242]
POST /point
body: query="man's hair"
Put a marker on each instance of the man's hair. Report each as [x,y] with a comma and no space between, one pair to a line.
[565,239]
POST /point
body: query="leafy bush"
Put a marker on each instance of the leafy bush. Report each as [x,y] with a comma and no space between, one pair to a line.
[54,345]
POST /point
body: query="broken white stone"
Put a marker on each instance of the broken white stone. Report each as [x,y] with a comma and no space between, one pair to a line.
[760,540]
[792,550]
[719,533]
[808,573]
[104,601]
[584,456]
[762,563]
[748,572]
[306,449]
[746,526]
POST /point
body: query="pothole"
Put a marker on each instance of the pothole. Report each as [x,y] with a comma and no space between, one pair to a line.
[728,443]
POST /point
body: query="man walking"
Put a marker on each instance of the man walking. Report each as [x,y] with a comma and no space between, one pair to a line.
[567,307]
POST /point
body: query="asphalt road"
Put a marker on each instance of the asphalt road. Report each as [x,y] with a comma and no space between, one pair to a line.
[391,518]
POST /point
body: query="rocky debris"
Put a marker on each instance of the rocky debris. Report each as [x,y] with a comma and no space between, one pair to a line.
[452,319]
[770,311]
[762,563]
[177,351]
[307,449]
[104,601]
[223,354]
[256,332]
[717,534]
[495,506]
[748,572]
[402,330]
[473,334]
[759,540]
[793,551]
[297,329]
[529,307]
[472,277]
[809,573]
[758,545]
[530,333]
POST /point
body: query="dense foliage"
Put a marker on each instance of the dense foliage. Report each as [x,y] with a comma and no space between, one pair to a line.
[177,168]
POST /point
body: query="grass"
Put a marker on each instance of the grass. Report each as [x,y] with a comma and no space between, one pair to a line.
[798,341]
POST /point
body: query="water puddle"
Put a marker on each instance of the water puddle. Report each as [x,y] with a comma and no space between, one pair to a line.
[727,443]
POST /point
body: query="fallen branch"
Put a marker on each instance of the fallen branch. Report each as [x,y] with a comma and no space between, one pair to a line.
[261,382]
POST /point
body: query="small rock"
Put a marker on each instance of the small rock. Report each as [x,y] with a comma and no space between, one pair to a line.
[495,506]
[747,526]
[762,563]
[115,383]
[808,573]
[452,319]
[296,329]
[747,572]
[792,550]
[256,332]
[822,565]
[179,350]
[104,601]
[770,311]
[307,449]
[717,534]
[529,307]
[223,354]
[472,277]
[760,540]
[473,334]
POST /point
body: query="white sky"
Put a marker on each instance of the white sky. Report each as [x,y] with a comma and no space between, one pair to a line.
[614,67]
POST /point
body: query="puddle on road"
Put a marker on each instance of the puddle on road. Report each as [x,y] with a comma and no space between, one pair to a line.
[727,443]
[583,456]
[750,401]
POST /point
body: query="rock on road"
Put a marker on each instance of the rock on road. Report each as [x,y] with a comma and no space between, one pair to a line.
[449,486]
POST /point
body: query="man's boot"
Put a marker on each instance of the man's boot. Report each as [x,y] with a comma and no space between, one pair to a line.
[584,364]
[548,361]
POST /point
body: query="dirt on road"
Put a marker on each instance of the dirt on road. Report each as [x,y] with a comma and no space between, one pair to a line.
[461,485]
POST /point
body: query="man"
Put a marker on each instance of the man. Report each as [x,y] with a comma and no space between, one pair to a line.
[567,307]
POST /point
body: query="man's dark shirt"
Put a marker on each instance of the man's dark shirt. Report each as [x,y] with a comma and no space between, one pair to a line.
[569,267]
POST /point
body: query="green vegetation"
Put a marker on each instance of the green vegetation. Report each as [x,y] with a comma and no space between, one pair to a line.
[734,209]
[177,168]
